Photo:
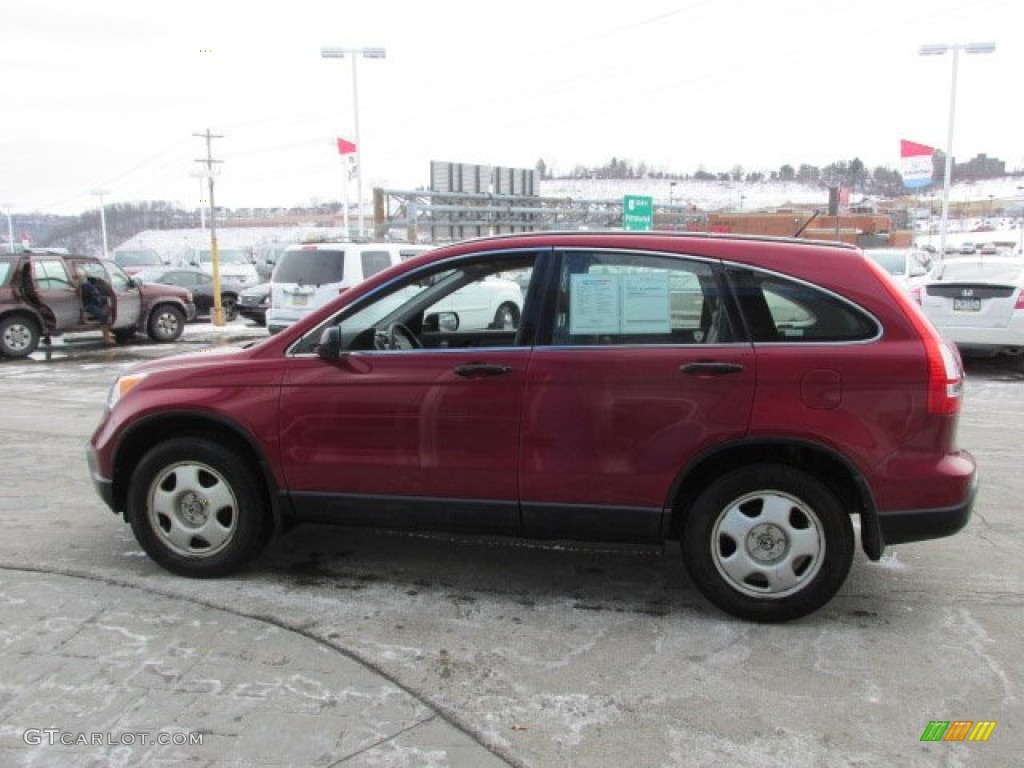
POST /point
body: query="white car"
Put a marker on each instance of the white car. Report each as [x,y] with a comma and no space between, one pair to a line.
[906,266]
[233,264]
[977,303]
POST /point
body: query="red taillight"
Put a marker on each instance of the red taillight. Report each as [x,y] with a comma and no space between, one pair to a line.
[1020,301]
[915,293]
[945,370]
[945,377]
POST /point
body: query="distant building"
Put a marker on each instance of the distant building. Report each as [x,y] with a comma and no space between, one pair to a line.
[981,167]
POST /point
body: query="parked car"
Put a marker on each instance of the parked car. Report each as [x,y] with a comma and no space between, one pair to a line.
[40,296]
[265,259]
[132,261]
[254,302]
[906,266]
[233,264]
[977,303]
[310,275]
[201,286]
[799,389]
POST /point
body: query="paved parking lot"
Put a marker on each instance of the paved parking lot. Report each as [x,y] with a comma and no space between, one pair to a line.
[362,648]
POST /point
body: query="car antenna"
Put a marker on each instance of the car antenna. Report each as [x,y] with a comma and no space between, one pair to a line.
[807,223]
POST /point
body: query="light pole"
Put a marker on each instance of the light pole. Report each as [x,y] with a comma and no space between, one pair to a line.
[10,227]
[100,193]
[940,49]
[335,52]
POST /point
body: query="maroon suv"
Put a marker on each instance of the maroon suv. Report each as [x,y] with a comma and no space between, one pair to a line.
[747,396]
[41,296]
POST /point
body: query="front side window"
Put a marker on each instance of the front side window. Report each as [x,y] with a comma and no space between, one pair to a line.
[472,303]
[618,298]
[51,274]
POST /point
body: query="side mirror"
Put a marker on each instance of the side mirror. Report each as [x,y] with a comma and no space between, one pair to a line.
[444,322]
[329,347]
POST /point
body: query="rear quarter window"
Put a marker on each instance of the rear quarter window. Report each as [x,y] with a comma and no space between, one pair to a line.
[374,262]
[776,309]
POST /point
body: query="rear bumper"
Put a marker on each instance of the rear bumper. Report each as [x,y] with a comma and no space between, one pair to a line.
[944,493]
[903,526]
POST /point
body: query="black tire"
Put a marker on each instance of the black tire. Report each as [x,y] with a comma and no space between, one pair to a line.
[123,335]
[166,323]
[19,335]
[195,508]
[506,317]
[768,543]
[229,303]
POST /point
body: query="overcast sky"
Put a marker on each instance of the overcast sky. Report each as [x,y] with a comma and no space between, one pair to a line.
[107,94]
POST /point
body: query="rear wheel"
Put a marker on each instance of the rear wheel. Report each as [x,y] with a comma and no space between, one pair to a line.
[768,543]
[166,323]
[195,508]
[506,317]
[19,336]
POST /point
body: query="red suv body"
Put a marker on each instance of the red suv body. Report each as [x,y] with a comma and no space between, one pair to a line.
[747,396]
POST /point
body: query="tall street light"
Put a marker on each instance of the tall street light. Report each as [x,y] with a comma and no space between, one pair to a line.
[940,49]
[335,52]
[100,193]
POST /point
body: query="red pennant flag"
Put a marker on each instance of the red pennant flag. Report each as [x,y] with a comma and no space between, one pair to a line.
[345,147]
[913,149]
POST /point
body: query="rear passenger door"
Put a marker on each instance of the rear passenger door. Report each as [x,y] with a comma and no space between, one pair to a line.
[640,372]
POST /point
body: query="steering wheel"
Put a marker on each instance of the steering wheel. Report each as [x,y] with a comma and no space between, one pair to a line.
[397,336]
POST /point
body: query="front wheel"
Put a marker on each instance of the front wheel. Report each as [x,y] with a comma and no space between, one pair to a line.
[19,336]
[768,543]
[166,323]
[195,508]
[229,304]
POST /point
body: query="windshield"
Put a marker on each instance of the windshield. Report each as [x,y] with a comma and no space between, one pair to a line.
[893,263]
[150,275]
[311,267]
[137,258]
[225,256]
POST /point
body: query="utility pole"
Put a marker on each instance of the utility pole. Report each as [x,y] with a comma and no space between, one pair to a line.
[218,309]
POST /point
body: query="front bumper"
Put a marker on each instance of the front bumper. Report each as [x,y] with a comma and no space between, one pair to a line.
[104,486]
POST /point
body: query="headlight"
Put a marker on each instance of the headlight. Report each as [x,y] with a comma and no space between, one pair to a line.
[122,387]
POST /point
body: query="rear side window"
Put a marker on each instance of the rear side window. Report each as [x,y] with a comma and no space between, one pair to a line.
[374,262]
[619,298]
[775,309]
[311,267]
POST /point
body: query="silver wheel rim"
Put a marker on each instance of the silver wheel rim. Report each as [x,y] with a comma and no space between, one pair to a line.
[192,509]
[768,544]
[167,324]
[17,337]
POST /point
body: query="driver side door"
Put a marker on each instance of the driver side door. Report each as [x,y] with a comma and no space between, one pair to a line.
[409,437]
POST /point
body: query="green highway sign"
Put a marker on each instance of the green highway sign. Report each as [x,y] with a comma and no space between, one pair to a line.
[637,213]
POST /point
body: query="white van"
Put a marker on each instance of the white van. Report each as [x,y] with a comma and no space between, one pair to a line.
[308,276]
[235,264]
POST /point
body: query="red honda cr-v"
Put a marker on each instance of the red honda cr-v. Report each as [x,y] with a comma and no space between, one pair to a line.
[747,396]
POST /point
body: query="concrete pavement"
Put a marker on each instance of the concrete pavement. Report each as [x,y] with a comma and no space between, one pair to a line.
[94,673]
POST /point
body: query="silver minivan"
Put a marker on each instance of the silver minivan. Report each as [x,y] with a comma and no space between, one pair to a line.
[307,276]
